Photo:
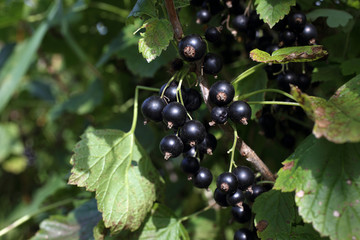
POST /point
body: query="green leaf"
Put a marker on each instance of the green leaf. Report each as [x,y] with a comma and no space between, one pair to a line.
[114,165]
[19,62]
[181,3]
[350,66]
[143,7]
[305,232]
[275,213]
[325,73]
[338,119]
[335,18]
[78,224]
[290,54]
[326,179]
[271,11]
[155,39]
[10,141]
[12,12]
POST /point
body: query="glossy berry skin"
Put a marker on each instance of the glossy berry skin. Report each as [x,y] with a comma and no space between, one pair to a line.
[189,151]
[220,198]
[221,93]
[190,165]
[192,132]
[233,199]
[170,92]
[192,48]
[287,38]
[245,177]
[240,112]
[208,145]
[285,79]
[227,182]
[297,22]
[212,34]
[174,115]
[212,64]
[152,107]
[257,190]
[303,82]
[203,178]
[308,35]
[219,114]
[240,23]
[241,214]
[171,146]
[243,234]
[193,99]
[203,16]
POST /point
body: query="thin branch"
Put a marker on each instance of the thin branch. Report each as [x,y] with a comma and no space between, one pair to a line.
[170,8]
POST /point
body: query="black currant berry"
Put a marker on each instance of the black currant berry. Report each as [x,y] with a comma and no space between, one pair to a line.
[220,198]
[203,16]
[212,34]
[193,132]
[240,23]
[281,25]
[245,177]
[272,48]
[240,111]
[244,234]
[287,38]
[171,146]
[303,82]
[203,178]
[308,35]
[297,22]
[174,115]
[193,99]
[241,214]
[257,190]
[236,198]
[190,165]
[189,151]
[285,79]
[192,48]
[219,115]
[170,92]
[208,145]
[152,107]
[212,64]
[221,93]
[227,182]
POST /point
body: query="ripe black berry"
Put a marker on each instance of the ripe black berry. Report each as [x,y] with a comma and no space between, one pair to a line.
[236,198]
[220,198]
[287,38]
[193,99]
[193,132]
[286,78]
[240,111]
[308,35]
[243,234]
[241,214]
[245,177]
[174,115]
[212,64]
[257,190]
[152,107]
[219,115]
[170,92]
[208,145]
[240,23]
[227,182]
[203,16]
[221,93]
[190,165]
[192,48]
[212,34]
[202,178]
[189,151]
[171,146]
[303,82]
[297,22]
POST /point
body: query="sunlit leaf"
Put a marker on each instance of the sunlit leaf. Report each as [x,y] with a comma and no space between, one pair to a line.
[271,11]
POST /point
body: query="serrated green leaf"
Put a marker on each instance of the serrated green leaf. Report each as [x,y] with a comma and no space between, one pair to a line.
[114,165]
[350,66]
[275,213]
[181,3]
[335,18]
[290,54]
[77,225]
[326,179]
[143,7]
[305,232]
[155,39]
[10,141]
[338,119]
[271,11]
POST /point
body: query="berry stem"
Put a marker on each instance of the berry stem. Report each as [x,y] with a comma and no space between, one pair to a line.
[174,20]
[245,96]
[247,73]
[198,212]
[168,83]
[136,105]
[275,103]
[179,94]
[232,150]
